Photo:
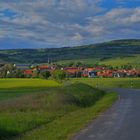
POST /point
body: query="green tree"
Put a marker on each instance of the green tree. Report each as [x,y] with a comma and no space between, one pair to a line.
[45,74]
[59,75]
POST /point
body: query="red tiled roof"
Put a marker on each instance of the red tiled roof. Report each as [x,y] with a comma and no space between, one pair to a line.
[28,72]
[90,69]
[72,70]
[44,67]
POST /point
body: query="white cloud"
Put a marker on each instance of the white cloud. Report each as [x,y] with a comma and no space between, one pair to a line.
[121,22]
[66,22]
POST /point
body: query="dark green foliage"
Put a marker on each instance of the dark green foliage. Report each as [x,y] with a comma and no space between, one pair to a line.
[102,51]
[59,75]
[5,134]
[78,94]
[10,71]
[44,74]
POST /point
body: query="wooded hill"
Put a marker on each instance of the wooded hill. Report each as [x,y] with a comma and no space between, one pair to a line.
[112,49]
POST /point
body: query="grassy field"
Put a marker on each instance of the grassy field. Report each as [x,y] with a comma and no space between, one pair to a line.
[110,82]
[66,126]
[43,109]
[50,110]
[120,61]
[26,83]
[10,88]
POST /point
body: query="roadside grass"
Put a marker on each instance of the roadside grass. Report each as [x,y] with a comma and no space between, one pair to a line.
[110,82]
[65,127]
[30,112]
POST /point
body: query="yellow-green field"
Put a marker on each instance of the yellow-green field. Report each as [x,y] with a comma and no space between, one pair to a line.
[10,88]
[26,83]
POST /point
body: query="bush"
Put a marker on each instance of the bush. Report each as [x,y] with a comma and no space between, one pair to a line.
[45,74]
[59,75]
[78,94]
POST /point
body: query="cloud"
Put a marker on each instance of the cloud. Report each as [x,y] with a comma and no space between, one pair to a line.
[55,23]
[50,21]
[117,23]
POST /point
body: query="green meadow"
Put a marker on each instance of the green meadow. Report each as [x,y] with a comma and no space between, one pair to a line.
[44,109]
[120,61]
[26,83]
[40,109]
[10,88]
[110,82]
[116,61]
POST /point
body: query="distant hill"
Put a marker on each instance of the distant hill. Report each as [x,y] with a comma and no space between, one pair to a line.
[101,51]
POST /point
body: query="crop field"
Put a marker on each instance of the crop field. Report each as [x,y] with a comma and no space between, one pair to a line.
[16,87]
[26,83]
[40,109]
[110,82]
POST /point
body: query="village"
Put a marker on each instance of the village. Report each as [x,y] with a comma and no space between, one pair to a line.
[75,72]
[32,71]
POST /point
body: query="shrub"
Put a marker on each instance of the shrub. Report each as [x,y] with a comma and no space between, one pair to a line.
[45,74]
[59,75]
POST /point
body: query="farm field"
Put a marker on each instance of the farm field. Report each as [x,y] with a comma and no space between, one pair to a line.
[50,110]
[26,83]
[10,88]
[110,82]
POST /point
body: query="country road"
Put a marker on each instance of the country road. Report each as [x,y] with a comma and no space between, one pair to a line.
[121,122]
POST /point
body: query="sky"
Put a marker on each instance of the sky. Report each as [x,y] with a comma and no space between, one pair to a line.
[66,23]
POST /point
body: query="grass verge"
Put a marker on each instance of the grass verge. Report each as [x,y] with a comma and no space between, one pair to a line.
[65,127]
[51,111]
[110,82]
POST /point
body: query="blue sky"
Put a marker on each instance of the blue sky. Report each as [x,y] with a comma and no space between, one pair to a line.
[59,23]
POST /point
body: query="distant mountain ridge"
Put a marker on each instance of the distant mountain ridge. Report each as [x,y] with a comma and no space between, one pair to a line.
[111,49]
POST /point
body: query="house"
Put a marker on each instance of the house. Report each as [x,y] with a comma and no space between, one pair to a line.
[89,72]
[28,73]
[105,73]
[43,68]
[73,71]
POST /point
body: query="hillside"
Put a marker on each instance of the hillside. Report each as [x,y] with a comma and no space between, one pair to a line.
[133,60]
[101,51]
